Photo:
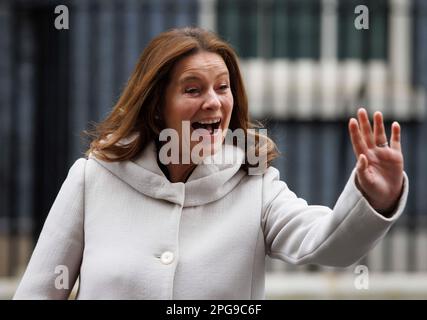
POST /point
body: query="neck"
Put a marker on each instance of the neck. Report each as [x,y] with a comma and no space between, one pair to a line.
[180,172]
[175,172]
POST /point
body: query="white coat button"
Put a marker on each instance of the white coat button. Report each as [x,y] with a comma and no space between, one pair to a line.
[166,257]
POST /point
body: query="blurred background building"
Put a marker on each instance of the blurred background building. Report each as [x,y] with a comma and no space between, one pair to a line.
[307,70]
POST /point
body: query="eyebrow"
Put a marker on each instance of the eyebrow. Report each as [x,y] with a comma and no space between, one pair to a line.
[195,77]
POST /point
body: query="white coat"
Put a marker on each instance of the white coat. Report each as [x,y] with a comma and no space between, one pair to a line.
[129,233]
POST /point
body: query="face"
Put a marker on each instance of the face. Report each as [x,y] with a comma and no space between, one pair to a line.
[199,102]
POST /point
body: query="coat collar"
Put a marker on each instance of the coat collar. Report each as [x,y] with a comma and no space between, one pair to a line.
[209,181]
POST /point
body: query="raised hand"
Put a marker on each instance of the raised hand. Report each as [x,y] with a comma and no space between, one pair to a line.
[379,173]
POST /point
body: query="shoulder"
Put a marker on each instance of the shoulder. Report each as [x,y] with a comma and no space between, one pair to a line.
[79,164]
[77,170]
[84,171]
[272,185]
[271,174]
[269,181]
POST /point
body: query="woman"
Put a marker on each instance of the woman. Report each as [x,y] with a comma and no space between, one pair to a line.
[135,222]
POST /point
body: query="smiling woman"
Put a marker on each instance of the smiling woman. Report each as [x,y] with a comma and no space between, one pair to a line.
[185,74]
[199,92]
[130,227]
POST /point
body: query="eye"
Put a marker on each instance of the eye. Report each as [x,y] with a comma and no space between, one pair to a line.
[192,90]
[224,87]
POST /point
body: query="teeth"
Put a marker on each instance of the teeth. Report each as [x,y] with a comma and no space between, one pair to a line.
[209,121]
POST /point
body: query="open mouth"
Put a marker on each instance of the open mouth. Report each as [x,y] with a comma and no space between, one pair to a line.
[209,125]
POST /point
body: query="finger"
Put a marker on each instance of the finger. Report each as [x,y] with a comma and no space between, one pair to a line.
[365,127]
[362,172]
[362,163]
[395,136]
[379,131]
[359,145]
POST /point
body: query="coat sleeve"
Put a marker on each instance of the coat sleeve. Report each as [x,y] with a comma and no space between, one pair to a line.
[299,233]
[55,262]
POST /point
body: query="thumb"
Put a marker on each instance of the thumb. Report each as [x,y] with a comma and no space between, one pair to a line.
[362,163]
[362,166]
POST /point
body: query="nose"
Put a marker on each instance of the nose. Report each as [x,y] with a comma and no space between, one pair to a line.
[212,101]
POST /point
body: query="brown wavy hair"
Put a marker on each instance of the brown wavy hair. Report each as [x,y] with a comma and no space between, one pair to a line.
[137,111]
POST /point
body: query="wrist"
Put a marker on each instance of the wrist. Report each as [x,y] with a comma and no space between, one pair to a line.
[385,208]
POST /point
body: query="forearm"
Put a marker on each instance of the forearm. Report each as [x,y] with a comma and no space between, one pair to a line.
[299,233]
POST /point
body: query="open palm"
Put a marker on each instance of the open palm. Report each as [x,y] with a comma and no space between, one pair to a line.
[379,173]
